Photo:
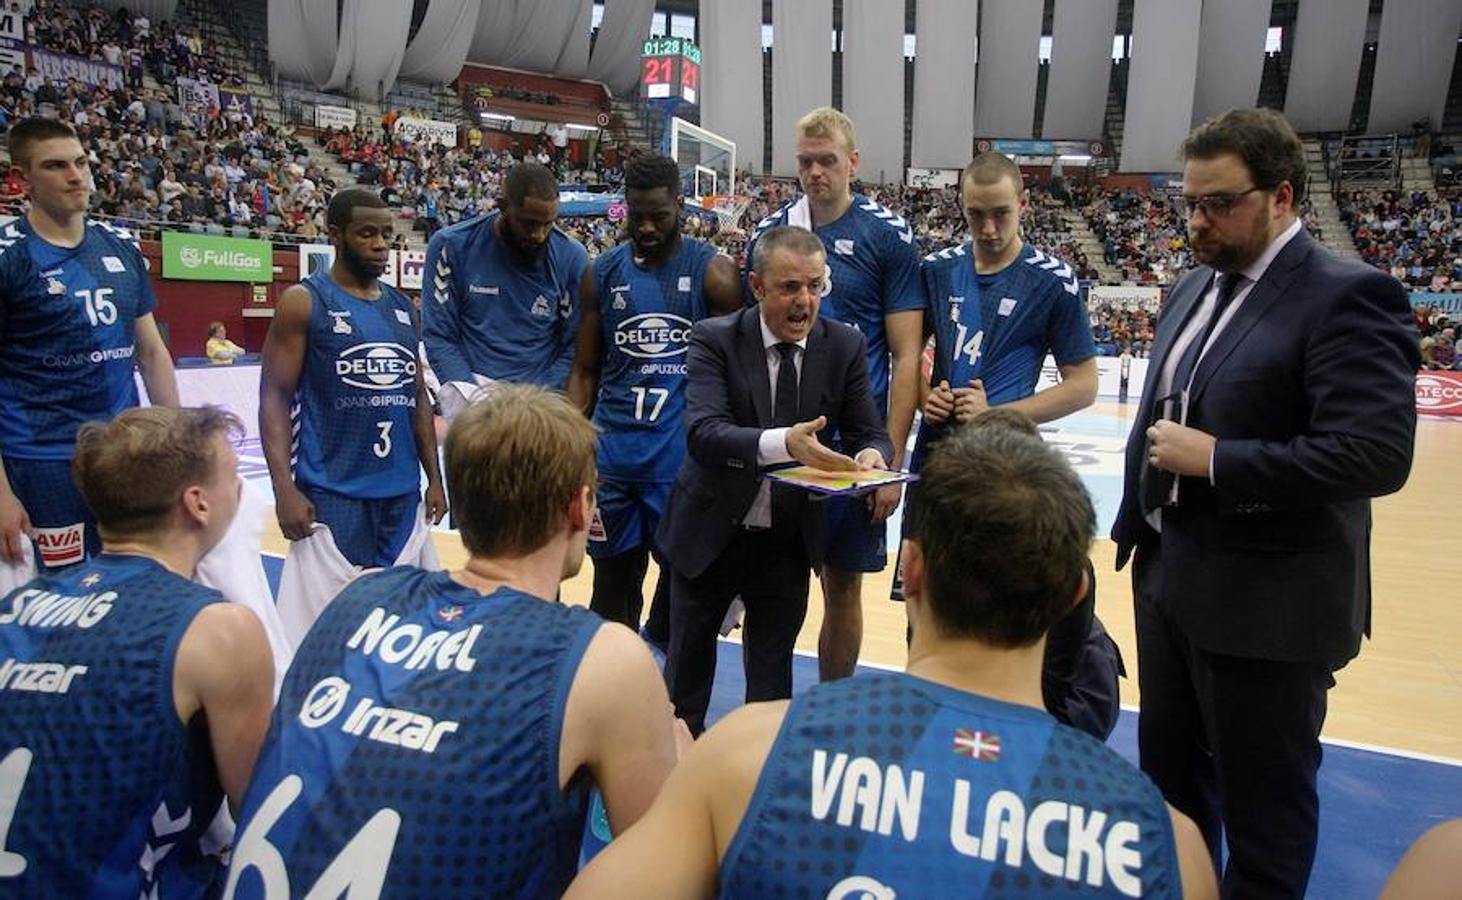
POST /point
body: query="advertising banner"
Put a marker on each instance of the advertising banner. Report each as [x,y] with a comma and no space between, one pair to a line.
[334,117]
[234,104]
[1447,303]
[432,131]
[1439,393]
[413,265]
[204,257]
[315,258]
[196,96]
[62,66]
[1125,297]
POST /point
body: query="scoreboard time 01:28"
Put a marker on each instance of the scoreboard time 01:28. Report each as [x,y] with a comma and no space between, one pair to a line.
[670,68]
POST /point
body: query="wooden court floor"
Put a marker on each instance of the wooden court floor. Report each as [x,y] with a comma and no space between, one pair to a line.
[1403,692]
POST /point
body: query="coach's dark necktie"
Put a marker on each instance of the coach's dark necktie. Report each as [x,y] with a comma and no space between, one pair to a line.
[1157,485]
[784,415]
[785,410]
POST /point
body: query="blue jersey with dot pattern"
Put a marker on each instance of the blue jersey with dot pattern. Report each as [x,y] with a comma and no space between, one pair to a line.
[892,785]
[873,271]
[645,319]
[67,323]
[484,312]
[110,794]
[356,398]
[414,750]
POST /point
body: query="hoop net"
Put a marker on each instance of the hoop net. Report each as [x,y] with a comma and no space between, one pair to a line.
[729,210]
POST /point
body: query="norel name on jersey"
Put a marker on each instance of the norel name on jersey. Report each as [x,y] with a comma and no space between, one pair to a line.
[414,646]
[40,677]
[861,793]
[35,608]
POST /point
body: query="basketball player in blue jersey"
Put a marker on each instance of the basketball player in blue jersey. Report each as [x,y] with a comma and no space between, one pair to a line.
[438,732]
[75,316]
[133,699]
[997,307]
[639,301]
[501,298]
[946,780]
[342,349]
[873,285]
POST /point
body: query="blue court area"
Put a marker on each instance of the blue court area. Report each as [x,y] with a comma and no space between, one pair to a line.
[1372,804]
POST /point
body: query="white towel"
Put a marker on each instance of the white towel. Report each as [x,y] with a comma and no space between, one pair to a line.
[315,571]
[234,569]
[801,213]
[13,575]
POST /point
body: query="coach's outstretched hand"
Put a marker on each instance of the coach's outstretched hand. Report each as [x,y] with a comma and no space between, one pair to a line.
[295,512]
[804,447]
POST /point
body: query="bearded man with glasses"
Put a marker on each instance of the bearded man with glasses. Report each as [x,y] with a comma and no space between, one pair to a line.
[1278,402]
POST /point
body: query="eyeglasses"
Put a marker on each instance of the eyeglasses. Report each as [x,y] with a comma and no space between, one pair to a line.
[1215,206]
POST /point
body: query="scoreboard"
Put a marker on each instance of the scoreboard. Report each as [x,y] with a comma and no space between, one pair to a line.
[670,68]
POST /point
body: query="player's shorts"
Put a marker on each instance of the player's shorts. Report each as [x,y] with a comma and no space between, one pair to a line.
[851,540]
[65,530]
[626,514]
[370,532]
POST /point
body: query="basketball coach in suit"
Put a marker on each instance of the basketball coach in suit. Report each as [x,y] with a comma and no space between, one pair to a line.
[1279,400]
[762,384]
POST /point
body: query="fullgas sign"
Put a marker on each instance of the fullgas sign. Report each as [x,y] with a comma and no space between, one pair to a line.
[201,257]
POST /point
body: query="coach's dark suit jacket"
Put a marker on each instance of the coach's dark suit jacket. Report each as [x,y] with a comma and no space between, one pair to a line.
[729,404]
[1310,391]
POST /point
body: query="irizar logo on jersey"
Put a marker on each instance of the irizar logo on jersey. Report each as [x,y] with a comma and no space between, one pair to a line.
[377,366]
[411,645]
[653,335]
[861,793]
[397,727]
[39,677]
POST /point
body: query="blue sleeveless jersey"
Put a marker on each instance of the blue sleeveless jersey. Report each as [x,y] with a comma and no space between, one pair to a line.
[357,394]
[67,324]
[999,327]
[873,270]
[484,313]
[114,793]
[889,784]
[414,750]
[645,318]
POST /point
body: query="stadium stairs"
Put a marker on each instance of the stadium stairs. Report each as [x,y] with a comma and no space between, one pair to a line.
[1324,212]
[1086,241]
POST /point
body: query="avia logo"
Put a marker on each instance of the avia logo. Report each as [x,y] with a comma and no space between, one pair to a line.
[377,366]
[1438,394]
[653,336]
[62,546]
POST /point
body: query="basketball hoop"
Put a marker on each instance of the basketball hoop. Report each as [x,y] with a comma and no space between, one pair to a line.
[729,209]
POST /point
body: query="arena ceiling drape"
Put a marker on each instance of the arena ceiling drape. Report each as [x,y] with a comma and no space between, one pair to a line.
[1081,68]
[440,47]
[873,85]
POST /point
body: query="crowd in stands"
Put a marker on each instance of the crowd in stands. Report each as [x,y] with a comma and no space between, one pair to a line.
[1143,235]
[155,163]
[1438,339]
[439,185]
[1415,236]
